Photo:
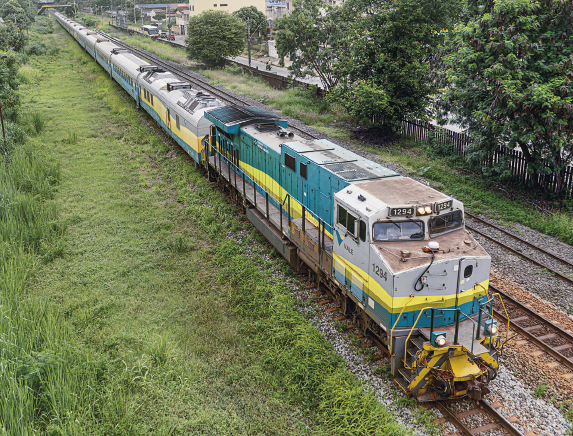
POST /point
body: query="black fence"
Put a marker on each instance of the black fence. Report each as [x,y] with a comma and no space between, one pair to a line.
[515,162]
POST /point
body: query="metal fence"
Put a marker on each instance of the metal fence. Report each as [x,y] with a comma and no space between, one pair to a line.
[515,161]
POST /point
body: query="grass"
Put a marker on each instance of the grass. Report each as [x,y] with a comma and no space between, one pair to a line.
[159,324]
[541,390]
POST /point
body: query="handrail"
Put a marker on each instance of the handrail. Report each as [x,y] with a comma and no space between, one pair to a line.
[410,334]
[416,323]
[506,315]
[398,319]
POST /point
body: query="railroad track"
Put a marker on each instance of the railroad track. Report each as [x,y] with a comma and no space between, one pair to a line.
[534,328]
[488,412]
[528,246]
[183,74]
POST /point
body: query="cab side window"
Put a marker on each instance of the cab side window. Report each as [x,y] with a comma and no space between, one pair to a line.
[347,220]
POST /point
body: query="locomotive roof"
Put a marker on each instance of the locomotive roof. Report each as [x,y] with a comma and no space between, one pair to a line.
[401,191]
[345,164]
[231,118]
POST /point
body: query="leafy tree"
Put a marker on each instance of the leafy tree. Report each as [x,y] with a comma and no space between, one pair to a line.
[212,44]
[9,86]
[511,68]
[258,20]
[311,37]
[10,38]
[387,54]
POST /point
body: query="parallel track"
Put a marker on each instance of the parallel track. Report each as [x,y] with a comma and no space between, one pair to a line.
[522,241]
[536,329]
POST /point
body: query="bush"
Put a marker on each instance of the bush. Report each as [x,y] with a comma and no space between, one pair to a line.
[43,26]
[36,49]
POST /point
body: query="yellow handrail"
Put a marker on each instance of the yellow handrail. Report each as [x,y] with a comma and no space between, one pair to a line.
[398,319]
[410,334]
[504,309]
[506,315]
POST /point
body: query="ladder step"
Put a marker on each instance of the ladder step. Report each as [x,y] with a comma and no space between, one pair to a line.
[412,351]
[403,384]
[418,343]
[407,374]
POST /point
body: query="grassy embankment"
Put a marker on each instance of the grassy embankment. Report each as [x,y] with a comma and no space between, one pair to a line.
[144,317]
[445,173]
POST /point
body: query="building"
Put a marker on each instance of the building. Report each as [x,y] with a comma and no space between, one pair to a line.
[181,20]
[273,9]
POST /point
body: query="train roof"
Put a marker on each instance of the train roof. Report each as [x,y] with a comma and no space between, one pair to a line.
[231,118]
[402,192]
[341,162]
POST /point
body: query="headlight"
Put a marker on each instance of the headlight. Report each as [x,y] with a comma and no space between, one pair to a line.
[438,339]
[491,327]
[421,211]
[428,209]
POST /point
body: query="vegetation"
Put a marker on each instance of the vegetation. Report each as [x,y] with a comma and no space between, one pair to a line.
[509,67]
[212,44]
[257,20]
[311,36]
[385,77]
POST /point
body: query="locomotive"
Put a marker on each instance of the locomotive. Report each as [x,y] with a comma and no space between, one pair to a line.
[393,252]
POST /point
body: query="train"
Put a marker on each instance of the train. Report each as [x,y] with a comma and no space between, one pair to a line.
[392,252]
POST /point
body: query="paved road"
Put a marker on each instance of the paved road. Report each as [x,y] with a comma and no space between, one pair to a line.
[281,71]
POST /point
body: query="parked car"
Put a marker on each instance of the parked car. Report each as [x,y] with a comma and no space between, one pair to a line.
[163,34]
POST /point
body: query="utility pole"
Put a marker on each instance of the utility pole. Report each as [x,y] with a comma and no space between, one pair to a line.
[249,38]
[134,13]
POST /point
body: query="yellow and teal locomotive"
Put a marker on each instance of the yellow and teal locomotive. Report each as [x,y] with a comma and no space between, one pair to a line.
[392,251]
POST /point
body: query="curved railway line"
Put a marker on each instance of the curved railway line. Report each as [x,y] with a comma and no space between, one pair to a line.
[535,329]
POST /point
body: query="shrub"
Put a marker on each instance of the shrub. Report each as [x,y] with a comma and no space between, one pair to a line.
[36,49]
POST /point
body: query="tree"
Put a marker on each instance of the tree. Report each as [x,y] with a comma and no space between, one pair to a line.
[9,38]
[387,54]
[210,43]
[9,86]
[311,38]
[258,20]
[511,67]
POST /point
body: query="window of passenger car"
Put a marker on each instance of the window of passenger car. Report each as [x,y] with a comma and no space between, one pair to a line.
[446,223]
[347,220]
[177,122]
[398,231]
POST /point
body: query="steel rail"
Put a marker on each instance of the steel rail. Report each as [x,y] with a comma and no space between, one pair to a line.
[517,238]
[501,420]
[523,256]
[529,336]
[483,406]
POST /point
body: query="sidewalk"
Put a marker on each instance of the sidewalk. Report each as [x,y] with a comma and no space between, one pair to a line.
[260,63]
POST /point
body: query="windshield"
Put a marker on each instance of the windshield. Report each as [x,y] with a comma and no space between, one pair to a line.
[152,31]
[398,230]
[445,223]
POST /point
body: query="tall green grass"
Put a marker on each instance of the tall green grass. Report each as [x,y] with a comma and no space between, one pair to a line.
[304,362]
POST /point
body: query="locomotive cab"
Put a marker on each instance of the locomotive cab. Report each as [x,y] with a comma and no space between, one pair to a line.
[401,249]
